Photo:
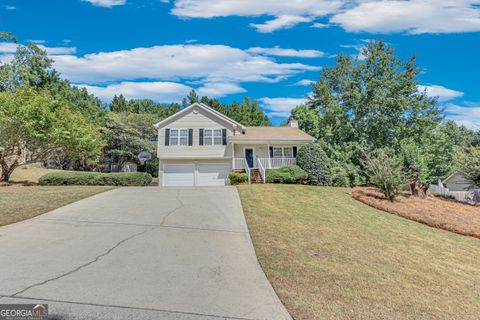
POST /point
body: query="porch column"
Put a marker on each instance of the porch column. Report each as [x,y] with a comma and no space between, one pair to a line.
[233,156]
[268,152]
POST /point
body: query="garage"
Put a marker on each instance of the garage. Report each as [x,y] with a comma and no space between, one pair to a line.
[195,174]
[212,174]
[179,175]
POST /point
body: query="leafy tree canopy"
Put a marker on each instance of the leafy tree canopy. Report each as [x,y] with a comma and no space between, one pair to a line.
[35,125]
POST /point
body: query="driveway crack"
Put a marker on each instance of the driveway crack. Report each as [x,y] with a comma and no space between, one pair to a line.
[85,264]
[177,197]
[104,253]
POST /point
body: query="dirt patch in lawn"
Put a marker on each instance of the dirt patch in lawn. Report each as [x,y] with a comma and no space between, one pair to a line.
[433,211]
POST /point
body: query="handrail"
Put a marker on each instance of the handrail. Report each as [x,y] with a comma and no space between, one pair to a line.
[261,170]
[274,163]
[247,169]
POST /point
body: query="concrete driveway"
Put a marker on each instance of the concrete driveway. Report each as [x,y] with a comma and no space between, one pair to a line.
[139,253]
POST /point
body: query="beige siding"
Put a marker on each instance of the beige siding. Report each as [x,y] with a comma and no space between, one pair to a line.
[194,121]
[458,182]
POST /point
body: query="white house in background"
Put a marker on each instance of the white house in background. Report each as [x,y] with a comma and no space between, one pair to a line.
[199,146]
[457,182]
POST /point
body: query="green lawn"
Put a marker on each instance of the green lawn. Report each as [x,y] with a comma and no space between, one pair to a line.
[19,203]
[31,172]
[331,257]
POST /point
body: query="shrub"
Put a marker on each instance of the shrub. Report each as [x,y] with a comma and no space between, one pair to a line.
[237,177]
[315,162]
[385,171]
[288,174]
[340,177]
[96,178]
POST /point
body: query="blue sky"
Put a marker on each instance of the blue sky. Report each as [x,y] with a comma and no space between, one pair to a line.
[269,50]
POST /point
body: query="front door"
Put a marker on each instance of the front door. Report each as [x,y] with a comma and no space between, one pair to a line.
[249,157]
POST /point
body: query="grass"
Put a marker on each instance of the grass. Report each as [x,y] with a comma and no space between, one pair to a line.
[31,173]
[19,203]
[329,256]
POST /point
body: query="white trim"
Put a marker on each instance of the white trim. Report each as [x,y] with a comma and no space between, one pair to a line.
[213,137]
[283,151]
[253,155]
[204,107]
[178,144]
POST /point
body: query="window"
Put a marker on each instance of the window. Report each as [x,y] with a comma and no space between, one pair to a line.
[282,152]
[212,137]
[217,136]
[277,152]
[179,137]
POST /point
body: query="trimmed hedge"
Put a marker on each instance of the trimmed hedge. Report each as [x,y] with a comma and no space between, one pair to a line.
[237,177]
[316,163]
[96,179]
[288,174]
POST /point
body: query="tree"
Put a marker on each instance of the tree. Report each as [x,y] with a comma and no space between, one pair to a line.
[190,99]
[446,139]
[34,126]
[315,162]
[374,101]
[385,171]
[126,135]
[467,160]
[416,161]
[119,104]
[247,113]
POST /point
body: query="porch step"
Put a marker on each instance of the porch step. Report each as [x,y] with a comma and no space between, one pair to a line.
[255,176]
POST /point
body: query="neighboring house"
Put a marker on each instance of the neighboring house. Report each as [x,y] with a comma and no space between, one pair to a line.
[457,182]
[199,146]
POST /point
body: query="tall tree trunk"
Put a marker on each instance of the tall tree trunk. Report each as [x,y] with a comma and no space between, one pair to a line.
[418,189]
[7,170]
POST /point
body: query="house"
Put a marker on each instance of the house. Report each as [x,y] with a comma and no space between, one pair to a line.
[457,182]
[199,146]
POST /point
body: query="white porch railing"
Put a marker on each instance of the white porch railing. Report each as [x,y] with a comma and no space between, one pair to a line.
[239,163]
[247,169]
[261,169]
[274,163]
[267,163]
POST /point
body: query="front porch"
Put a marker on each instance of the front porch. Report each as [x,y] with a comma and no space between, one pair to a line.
[255,159]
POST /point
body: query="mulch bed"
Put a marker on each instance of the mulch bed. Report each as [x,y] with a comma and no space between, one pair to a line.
[433,211]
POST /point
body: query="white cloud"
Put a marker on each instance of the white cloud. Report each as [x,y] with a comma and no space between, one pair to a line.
[304,82]
[281,22]
[12,48]
[285,14]
[219,89]
[107,3]
[468,116]
[58,50]
[280,107]
[443,94]
[412,16]
[161,91]
[281,52]
[6,47]
[374,16]
[209,63]
[158,91]
[9,7]
[319,25]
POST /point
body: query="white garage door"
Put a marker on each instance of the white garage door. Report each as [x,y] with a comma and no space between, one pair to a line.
[178,175]
[213,174]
